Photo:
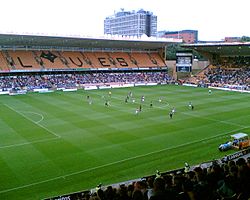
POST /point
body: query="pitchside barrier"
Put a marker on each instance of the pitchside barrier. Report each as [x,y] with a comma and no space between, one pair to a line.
[230,89]
[9,91]
[234,88]
[81,194]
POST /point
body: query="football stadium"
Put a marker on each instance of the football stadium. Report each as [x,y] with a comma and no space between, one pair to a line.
[109,119]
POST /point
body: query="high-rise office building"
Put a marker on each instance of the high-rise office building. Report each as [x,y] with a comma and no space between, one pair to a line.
[131,23]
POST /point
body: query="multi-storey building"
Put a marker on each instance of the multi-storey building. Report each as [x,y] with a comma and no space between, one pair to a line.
[232,39]
[131,23]
[188,36]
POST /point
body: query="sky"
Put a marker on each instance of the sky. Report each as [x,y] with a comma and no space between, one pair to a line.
[214,19]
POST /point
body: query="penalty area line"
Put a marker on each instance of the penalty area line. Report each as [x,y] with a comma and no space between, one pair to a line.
[43,127]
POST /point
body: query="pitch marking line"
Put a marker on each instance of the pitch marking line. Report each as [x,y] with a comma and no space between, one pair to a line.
[215,120]
[26,143]
[35,113]
[53,133]
[168,105]
[164,104]
[113,163]
[132,110]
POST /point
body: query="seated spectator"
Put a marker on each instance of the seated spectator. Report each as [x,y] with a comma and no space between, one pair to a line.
[159,190]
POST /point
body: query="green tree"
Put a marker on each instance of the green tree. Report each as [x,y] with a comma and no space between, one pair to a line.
[245,39]
[173,48]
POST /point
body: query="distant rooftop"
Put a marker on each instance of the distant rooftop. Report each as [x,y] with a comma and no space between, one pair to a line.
[23,41]
[122,13]
[182,31]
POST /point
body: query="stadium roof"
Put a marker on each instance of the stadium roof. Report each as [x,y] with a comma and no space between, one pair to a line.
[222,49]
[30,41]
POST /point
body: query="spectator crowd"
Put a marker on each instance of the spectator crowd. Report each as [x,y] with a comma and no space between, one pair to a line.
[30,82]
[221,77]
[229,180]
[218,76]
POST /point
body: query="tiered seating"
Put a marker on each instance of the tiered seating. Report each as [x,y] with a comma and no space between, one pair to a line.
[24,60]
[80,79]
[157,60]
[3,63]
[123,59]
[200,76]
[76,59]
[233,77]
[37,60]
[143,60]
[93,59]
[105,60]
[50,60]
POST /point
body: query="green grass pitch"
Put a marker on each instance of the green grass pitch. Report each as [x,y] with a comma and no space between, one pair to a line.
[57,143]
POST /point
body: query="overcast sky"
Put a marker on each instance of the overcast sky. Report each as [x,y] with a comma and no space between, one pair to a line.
[214,19]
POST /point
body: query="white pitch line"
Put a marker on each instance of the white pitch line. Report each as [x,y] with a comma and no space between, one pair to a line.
[53,133]
[168,105]
[117,162]
[113,163]
[26,143]
[215,120]
[37,122]
[164,104]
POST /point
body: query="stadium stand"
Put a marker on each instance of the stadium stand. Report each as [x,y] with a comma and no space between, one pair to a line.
[51,60]
[217,76]
[229,66]
[23,60]
[142,60]
[9,61]
[121,57]
[38,60]
[3,63]
[226,178]
[31,82]
[75,59]
[223,179]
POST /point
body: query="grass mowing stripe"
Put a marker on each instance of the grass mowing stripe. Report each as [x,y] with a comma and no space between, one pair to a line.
[117,162]
[215,120]
[43,127]
[27,143]
[35,113]
[110,135]
[168,105]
